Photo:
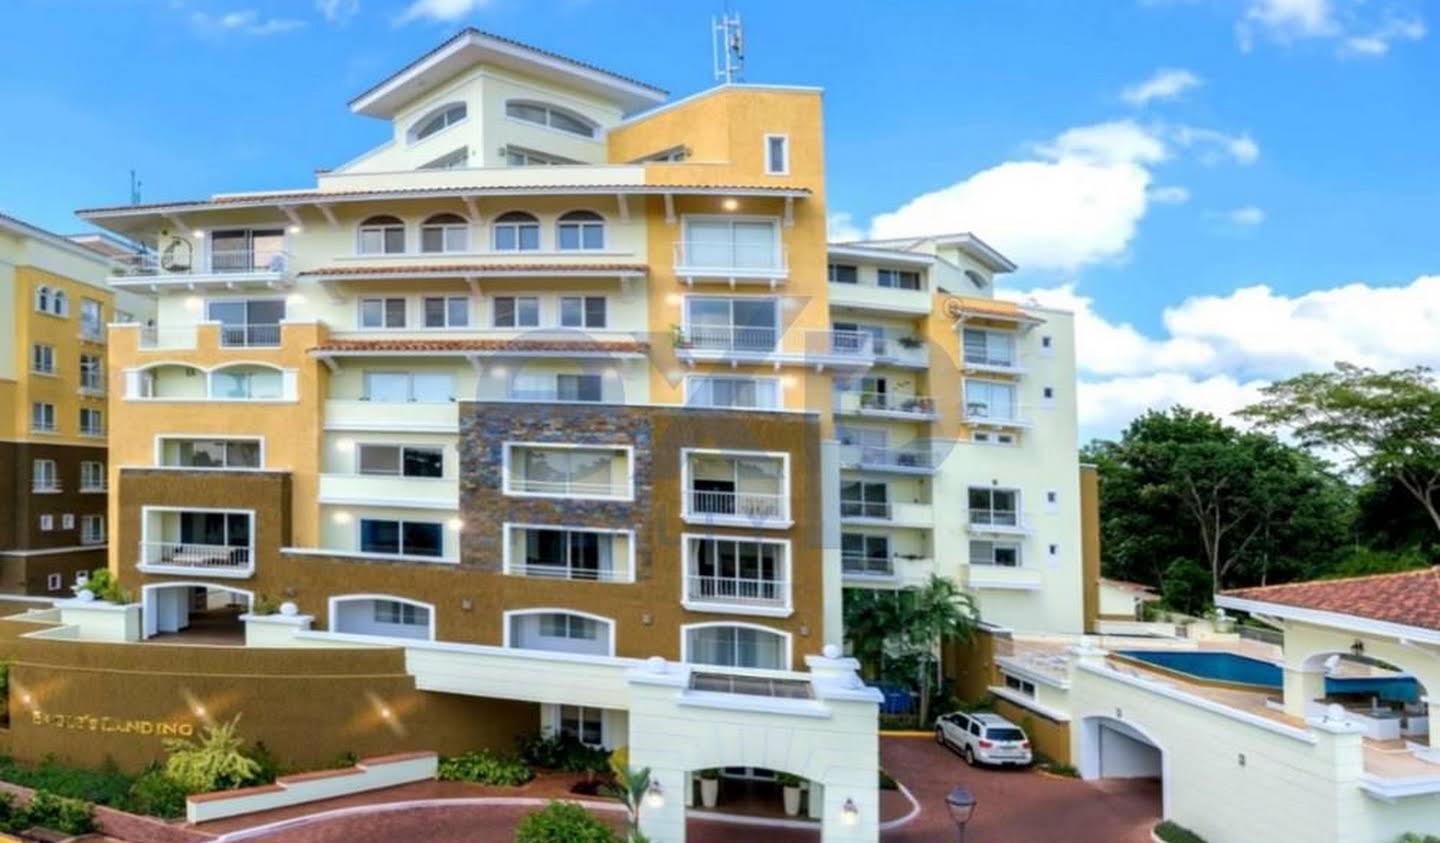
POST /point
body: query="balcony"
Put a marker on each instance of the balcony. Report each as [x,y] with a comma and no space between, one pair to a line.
[997,522]
[862,566]
[864,348]
[980,414]
[1005,578]
[913,460]
[563,553]
[409,417]
[887,513]
[216,268]
[731,263]
[213,560]
[240,382]
[736,490]
[727,342]
[389,490]
[727,594]
[886,405]
[562,471]
[742,507]
[1003,363]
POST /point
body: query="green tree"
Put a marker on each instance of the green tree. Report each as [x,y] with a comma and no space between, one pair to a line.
[1245,506]
[904,630]
[1186,587]
[1382,425]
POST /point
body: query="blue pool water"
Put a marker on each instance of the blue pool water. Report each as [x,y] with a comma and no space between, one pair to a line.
[1230,667]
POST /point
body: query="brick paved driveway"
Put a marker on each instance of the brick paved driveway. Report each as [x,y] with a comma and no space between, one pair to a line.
[1015,806]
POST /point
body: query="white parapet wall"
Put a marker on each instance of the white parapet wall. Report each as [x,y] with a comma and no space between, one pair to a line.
[97,620]
[368,774]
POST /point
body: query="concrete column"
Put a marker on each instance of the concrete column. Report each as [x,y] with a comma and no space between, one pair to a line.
[665,823]
[1432,706]
[1301,687]
[815,801]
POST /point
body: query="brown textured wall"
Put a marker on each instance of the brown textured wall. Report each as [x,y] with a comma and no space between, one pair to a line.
[10,497]
[1090,543]
[970,666]
[310,706]
[1047,737]
[24,515]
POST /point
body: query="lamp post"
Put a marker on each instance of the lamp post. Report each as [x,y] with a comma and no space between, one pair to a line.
[961,803]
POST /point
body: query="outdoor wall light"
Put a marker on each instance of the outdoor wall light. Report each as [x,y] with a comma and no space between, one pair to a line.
[341,518]
[199,233]
[654,795]
[344,444]
[295,229]
[386,713]
[199,710]
[730,204]
[456,523]
[849,814]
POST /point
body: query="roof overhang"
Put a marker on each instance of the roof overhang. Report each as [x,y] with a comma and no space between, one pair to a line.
[979,250]
[881,255]
[24,229]
[1334,620]
[471,47]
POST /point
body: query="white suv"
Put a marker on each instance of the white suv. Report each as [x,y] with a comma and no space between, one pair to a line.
[984,738]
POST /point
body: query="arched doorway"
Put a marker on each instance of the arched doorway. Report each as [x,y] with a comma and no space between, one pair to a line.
[1120,751]
[194,613]
[1389,702]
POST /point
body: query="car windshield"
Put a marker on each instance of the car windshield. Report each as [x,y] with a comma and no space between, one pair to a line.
[1005,735]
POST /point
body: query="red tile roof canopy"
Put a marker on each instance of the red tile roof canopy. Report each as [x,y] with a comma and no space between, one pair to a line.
[1410,598]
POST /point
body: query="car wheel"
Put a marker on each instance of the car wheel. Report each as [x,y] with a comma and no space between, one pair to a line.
[939,736]
[969,755]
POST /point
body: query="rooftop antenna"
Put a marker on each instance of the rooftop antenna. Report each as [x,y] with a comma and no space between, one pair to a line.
[134,189]
[727,43]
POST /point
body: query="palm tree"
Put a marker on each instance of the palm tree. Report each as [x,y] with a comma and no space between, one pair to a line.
[909,625]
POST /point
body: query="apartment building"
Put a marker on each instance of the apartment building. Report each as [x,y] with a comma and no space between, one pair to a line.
[54,309]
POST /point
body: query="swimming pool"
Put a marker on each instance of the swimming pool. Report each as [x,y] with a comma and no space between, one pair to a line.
[1243,670]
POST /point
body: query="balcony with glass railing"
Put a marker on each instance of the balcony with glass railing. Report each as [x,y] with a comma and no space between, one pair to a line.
[191,265]
[909,407]
[990,352]
[563,471]
[889,513]
[914,459]
[868,348]
[731,262]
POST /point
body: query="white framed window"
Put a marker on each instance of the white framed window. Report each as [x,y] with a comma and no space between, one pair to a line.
[715,242]
[59,303]
[989,348]
[552,116]
[761,393]
[1019,685]
[519,156]
[247,383]
[568,471]
[210,453]
[569,553]
[382,312]
[777,155]
[402,387]
[44,476]
[383,615]
[402,538]
[381,235]
[42,359]
[737,575]
[587,725]
[92,476]
[92,422]
[1001,554]
[67,521]
[517,312]
[54,582]
[47,523]
[580,230]
[445,233]
[395,612]
[515,231]
[735,645]
[994,506]
[840,273]
[526,386]
[401,460]
[92,373]
[435,121]
[739,324]
[1047,345]
[898,279]
[583,311]
[990,400]
[42,298]
[446,311]
[559,630]
[42,417]
[92,321]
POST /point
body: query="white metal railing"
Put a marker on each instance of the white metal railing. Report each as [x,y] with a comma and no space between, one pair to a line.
[93,487]
[739,590]
[575,488]
[729,338]
[859,343]
[996,361]
[868,455]
[917,405]
[563,571]
[198,556]
[865,565]
[995,517]
[202,262]
[250,336]
[44,427]
[755,506]
[730,257]
[865,509]
[43,486]
[982,411]
[92,535]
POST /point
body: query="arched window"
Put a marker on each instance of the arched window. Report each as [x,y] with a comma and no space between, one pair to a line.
[736,645]
[42,299]
[382,235]
[517,231]
[559,631]
[382,614]
[433,122]
[246,382]
[60,304]
[445,233]
[581,230]
[545,114]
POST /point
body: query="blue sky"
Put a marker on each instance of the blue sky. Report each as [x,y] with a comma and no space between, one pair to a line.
[1283,143]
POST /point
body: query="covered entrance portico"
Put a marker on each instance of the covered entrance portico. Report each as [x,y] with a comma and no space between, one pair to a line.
[194,613]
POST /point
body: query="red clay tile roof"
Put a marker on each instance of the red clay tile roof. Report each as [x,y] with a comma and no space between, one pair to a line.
[466,346]
[478,269]
[1411,598]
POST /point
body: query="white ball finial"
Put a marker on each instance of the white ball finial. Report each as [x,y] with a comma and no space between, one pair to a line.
[289,609]
[830,651]
[657,664]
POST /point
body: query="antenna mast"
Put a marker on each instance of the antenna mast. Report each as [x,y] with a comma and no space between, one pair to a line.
[134,189]
[727,44]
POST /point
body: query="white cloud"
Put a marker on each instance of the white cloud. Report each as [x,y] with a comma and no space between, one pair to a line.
[840,227]
[1248,215]
[1172,194]
[243,22]
[440,10]
[337,11]
[1167,83]
[1217,351]
[1350,23]
[1213,146]
[1116,142]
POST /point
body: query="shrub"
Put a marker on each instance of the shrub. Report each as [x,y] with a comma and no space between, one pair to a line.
[155,794]
[1172,833]
[106,587]
[481,767]
[216,761]
[1412,837]
[563,822]
[106,786]
[267,766]
[57,813]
